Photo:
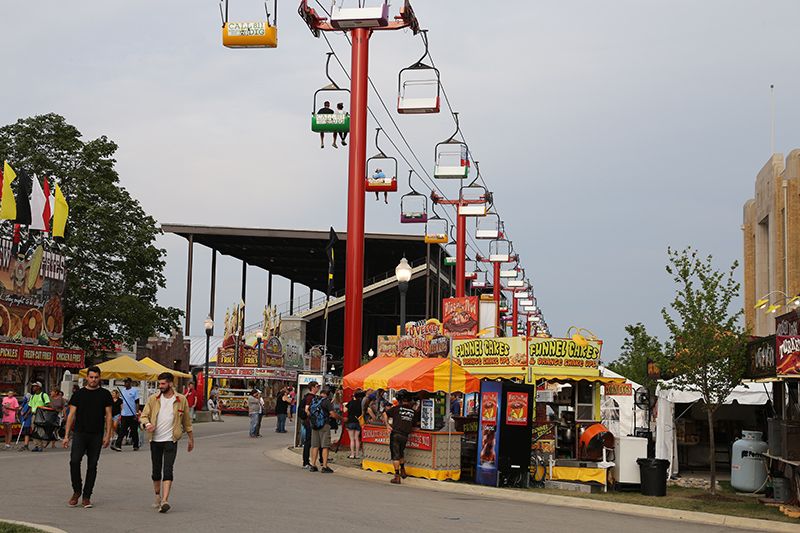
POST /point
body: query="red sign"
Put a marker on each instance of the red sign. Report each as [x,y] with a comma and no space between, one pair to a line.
[248,357]
[21,354]
[226,357]
[460,317]
[273,373]
[788,361]
[517,408]
[379,435]
[489,408]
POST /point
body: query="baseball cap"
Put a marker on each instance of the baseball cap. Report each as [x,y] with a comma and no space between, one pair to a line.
[128,380]
[36,384]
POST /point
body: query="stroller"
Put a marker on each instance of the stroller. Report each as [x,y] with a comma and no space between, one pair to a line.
[45,424]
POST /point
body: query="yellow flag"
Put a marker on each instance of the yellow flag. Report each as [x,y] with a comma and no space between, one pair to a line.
[60,215]
[8,207]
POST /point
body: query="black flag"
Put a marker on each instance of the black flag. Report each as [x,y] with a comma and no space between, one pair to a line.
[329,251]
[23,199]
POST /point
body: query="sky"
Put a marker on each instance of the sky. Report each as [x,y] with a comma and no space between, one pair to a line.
[607,131]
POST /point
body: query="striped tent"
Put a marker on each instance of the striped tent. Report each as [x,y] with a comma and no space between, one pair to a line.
[412,374]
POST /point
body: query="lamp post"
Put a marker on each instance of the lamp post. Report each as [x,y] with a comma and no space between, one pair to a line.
[209,325]
[259,336]
[403,273]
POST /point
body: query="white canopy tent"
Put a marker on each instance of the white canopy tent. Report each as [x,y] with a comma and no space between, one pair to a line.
[666,438]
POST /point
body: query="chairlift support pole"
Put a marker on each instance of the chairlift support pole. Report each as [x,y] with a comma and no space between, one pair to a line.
[354,277]
[461,239]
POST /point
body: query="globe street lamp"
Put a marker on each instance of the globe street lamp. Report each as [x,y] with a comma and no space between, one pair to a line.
[403,273]
[259,336]
[209,325]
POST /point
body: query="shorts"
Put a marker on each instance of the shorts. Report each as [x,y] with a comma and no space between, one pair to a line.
[117,418]
[354,426]
[321,438]
[397,443]
[26,431]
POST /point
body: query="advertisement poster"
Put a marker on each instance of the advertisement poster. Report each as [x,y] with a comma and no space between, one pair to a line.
[517,408]
[460,317]
[761,360]
[487,433]
[471,403]
[788,355]
[427,415]
[563,356]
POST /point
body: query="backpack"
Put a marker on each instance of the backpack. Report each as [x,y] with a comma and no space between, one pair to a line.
[301,410]
[318,417]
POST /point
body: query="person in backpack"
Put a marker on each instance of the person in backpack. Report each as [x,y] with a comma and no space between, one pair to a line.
[319,413]
[38,399]
[302,412]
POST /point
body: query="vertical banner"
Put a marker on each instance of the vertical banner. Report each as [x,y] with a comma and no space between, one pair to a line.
[487,433]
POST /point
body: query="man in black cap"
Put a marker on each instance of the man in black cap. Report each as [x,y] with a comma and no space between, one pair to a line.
[130,416]
[403,419]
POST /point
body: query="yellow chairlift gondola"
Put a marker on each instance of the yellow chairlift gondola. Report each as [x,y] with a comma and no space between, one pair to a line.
[413,205]
[436,229]
[415,86]
[452,157]
[259,34]
[381,171]
[325,118]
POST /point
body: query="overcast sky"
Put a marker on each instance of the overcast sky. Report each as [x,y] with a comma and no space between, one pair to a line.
[607,131]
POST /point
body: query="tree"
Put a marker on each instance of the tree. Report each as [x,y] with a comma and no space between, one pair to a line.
[707,343]
[637,349]
[114,270]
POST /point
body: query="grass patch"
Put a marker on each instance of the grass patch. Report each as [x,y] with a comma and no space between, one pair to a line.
[6,527]
[688,499]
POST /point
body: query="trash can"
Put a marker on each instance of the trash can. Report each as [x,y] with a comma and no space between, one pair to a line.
[653,473]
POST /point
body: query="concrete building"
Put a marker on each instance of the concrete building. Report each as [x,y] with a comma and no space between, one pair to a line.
[771,233]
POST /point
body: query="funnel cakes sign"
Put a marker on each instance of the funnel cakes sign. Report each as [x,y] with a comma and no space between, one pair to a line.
[31,294]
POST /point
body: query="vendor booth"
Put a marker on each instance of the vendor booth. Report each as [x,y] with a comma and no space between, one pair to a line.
[433,452]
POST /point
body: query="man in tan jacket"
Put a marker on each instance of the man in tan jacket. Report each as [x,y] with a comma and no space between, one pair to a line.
[166,416]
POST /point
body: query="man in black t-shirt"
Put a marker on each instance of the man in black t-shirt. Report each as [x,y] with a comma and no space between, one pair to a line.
[326,110]
[90,410]
[403,418]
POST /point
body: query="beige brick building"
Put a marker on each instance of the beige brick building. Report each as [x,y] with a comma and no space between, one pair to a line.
[771,233]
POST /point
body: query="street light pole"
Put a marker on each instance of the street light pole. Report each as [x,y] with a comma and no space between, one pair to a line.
[209,325]
[403,273]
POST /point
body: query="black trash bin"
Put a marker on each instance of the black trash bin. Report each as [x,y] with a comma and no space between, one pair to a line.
[653,473]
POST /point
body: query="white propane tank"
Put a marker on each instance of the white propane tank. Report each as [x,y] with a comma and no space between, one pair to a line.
[748,465]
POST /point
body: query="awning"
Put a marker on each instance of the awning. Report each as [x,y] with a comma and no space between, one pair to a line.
[124,367]
[566,377]
[161,368]
[431,375]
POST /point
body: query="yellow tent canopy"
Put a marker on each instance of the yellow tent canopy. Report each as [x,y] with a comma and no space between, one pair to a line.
[161,368]
[124,367]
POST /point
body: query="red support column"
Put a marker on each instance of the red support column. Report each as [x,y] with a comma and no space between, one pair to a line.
[461,251]
[514,314]
[496,290]
[354,282]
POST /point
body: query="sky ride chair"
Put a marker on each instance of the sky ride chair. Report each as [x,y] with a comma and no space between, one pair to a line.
[334,122]
[436,229]
[413,205]
[381,171]
[415,84]
[260,34]
[452,157]
[347,18]
[472,200]
[489,227]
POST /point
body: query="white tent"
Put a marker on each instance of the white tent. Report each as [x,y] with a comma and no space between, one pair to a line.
[666,438]
[617,412]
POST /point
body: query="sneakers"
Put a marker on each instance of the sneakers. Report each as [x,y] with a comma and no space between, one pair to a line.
[73,502]
[326,470]
[313,469]
[115,448]
[25,448]
[7,446]
[87,504]
[36,449]
[164,507]
[136,448]
[156,503]
[306,466]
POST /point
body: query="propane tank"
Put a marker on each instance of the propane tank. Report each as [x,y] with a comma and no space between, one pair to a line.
[748,465]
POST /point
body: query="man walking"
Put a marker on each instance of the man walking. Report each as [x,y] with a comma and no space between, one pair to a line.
[130,416]
[302,412]
[281,405]
[254,409]
[192,398]
[321,435]
[89,410]
[165,416]
[38,399]
[403,418]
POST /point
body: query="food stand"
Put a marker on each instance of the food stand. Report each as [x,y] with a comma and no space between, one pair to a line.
[430,454]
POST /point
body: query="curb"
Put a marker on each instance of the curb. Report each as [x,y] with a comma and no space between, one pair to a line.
[49,529]
[286,456]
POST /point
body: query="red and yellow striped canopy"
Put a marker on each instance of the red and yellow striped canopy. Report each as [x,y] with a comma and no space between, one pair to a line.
[412,374]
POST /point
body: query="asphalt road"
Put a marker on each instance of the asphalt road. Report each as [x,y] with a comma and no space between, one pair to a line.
[229,483]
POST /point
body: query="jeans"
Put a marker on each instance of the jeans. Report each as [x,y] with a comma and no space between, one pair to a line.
[162,455]
[307,444]
[255,418]
[281,424]
[128,422]
[258,424]
[88,444]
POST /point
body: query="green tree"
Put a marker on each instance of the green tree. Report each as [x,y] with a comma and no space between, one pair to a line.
[707,342]
[637,349]
[114,270]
